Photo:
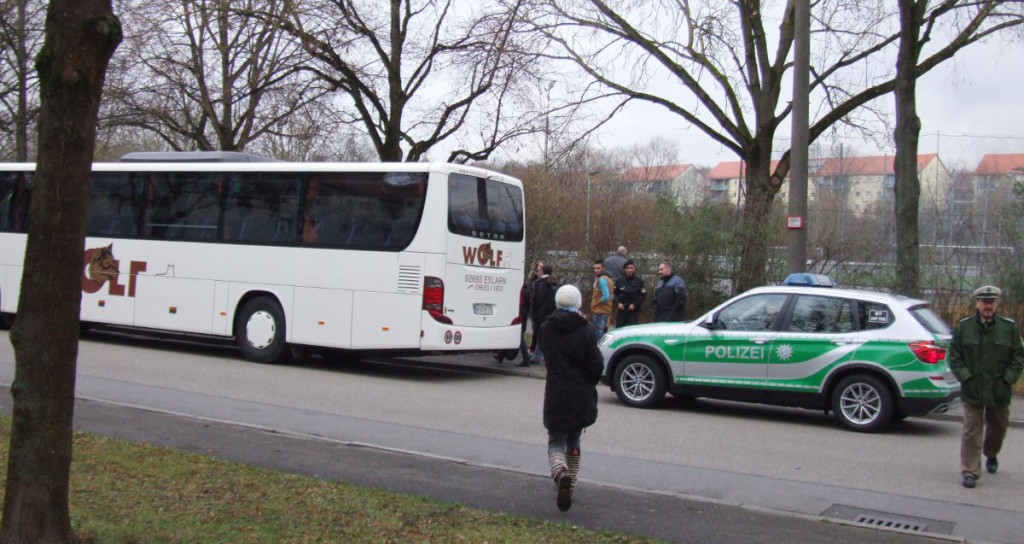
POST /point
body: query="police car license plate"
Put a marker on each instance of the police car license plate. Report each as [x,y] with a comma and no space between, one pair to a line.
[483,309]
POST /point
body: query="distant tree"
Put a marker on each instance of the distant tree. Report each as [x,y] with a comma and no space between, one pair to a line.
[420,73]
[725,72]
[21,36]
[202,75]
[81,36]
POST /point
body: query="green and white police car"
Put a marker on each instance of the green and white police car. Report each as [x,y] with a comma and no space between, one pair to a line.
[869,358]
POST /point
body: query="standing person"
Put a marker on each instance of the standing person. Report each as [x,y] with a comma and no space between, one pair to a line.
[524,316]
[630,294]
[987,356]
[570,388]
[538,270]
[616,263]
[669,295]
[601,299]
[541,306]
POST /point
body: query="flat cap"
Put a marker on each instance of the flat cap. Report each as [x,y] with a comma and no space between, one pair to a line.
[987,292]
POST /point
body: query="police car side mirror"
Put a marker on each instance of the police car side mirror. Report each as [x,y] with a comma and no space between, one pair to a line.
[709,321]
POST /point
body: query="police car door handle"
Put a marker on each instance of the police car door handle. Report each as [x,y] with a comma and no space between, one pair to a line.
[672,341]
[842,341]
[759,340]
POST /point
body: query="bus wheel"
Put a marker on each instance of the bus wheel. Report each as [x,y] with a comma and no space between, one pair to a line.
[862,403]
[259,330]
[639,382]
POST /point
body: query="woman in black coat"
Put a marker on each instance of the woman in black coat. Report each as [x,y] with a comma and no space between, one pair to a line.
[574,366]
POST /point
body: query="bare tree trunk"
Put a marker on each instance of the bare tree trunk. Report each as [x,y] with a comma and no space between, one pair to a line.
[908,130]
[21,115]
[755,228]
[81,35]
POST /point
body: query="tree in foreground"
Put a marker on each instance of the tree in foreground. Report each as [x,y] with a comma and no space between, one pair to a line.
[80,37]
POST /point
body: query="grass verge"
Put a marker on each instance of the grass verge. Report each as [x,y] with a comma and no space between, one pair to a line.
[123,492]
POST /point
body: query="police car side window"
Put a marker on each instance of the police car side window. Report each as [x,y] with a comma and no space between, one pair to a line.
[821,315]
[871,316]
[754,313]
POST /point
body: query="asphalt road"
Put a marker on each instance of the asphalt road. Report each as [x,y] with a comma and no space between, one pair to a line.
[474,437]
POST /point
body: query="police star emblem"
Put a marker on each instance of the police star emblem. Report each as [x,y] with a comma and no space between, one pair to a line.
[784,352]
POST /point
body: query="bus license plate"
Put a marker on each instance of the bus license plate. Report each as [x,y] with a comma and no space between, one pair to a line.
[483,309]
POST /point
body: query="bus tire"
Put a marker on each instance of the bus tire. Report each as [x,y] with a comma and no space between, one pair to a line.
[863,403]
[259,330]
[640,382]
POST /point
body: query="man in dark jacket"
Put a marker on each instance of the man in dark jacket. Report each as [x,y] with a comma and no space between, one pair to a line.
[574,366]
[541,306]
[987,356]
[669,296]
[629,295]
[538,270]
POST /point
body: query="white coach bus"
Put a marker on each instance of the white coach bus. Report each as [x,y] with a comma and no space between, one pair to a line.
[389,256]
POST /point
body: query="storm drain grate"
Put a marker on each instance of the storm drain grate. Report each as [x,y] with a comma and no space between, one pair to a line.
[887,520]
[890,523]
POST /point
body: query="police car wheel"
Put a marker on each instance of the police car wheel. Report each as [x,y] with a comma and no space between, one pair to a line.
[862,403]
[640,382]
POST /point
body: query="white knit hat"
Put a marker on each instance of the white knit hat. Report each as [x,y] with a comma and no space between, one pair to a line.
[568,298]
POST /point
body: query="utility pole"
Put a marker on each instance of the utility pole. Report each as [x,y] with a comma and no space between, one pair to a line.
[796,251]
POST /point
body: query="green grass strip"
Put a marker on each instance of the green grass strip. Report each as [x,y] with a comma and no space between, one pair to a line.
[122,492]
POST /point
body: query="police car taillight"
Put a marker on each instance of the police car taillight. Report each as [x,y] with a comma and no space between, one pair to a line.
[433,299]
[928,352]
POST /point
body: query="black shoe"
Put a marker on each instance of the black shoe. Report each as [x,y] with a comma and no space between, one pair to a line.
[523,364]
[970,481]
[992,465]
[564,493]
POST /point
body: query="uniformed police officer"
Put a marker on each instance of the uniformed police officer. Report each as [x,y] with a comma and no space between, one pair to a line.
[987,357]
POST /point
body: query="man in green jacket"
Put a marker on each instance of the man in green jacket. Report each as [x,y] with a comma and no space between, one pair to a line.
[987,357]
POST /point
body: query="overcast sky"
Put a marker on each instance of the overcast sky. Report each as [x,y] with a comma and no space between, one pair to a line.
[969,106]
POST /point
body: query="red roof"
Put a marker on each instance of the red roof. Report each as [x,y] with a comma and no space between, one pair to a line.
[1004,163]
[854,166]
[731,170]
[866,166]
[663,173]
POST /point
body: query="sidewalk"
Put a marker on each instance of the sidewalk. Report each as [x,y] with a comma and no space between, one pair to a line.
[484,362]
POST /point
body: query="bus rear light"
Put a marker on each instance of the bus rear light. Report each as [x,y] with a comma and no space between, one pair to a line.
[928,352]
[433,299]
